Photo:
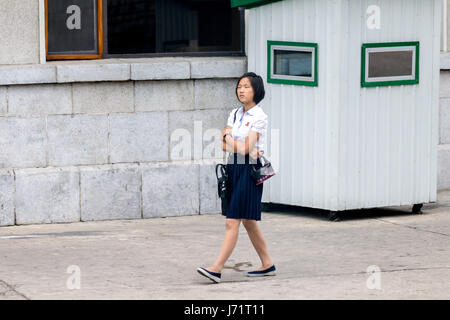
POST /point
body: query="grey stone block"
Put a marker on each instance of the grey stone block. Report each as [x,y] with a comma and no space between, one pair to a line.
[201,129]
[209,198]
[443,167]
[216,94]
[77,139]
[19,28]
[27,74]
[38,100]
[123,70]
[139,137]
[213,67]
[445,61]
[3,101]
[47,195]
[170,189]
[22,142]
[103,97]
[444,84]
[110,192]
[6,197]
[444,120]
[93,71]
[164,95]
[161,70]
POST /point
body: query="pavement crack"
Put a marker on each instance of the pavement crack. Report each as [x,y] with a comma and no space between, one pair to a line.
[381,271]
[414,228]
[13,289]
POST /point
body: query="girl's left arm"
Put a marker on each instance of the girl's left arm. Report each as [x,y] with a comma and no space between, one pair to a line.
[242,147]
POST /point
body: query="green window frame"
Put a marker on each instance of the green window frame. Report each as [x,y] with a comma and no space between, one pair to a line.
[273,45]
[250,3]
[412,78]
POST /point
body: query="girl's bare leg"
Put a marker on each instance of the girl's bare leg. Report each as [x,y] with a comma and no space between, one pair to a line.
[257,239]
[231,236]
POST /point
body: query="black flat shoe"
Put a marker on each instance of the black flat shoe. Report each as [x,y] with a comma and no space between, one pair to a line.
[210,275]
[266,272]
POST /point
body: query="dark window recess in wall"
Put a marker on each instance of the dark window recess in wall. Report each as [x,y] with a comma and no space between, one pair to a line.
[131,25]
[169,26]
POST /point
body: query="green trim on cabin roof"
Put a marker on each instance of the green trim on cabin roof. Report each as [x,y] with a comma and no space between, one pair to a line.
[250,3]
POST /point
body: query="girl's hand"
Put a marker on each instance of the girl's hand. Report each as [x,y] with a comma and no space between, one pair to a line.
[255,153]
[226,131]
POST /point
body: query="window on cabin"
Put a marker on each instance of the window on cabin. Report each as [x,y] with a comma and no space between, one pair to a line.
[292,63]
[390,64]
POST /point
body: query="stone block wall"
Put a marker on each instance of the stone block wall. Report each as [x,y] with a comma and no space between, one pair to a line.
[443,166]
[19,29]
[98,140]
[94,143]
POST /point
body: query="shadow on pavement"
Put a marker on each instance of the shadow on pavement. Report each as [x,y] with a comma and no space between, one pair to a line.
[354,214]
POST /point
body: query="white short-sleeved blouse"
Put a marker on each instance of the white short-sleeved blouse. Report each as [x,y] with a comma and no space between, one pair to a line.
[254,119]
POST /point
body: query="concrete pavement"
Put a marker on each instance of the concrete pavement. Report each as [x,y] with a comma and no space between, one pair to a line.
[408,255]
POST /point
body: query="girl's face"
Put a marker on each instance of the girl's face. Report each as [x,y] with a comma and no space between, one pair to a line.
[245,91]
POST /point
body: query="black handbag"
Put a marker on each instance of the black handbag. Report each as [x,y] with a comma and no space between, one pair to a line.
[262,173]
[222,187]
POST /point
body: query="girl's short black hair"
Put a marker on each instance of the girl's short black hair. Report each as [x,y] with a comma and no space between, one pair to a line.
[257,85]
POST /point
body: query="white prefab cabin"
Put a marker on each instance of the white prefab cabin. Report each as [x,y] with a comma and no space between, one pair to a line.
[352,89]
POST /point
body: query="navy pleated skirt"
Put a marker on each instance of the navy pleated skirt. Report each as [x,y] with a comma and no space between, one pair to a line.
[245,201]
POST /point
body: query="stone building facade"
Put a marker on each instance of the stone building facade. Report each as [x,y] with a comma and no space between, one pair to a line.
[94,139]
[97,139]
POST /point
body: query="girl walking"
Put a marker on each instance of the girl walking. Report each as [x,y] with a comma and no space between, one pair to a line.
[244,137]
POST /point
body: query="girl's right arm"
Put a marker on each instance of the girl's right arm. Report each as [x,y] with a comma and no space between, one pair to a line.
[225,146]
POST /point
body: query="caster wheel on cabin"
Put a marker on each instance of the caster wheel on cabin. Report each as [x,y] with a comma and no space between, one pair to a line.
[334,216]
[417,208]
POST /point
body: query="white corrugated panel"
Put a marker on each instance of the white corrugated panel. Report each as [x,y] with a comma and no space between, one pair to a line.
[342,146]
